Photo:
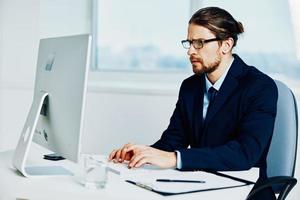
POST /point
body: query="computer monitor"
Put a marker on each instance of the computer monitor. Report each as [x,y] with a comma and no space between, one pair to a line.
[55,119]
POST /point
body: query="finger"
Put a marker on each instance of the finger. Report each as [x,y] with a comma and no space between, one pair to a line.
[129,156]
[141,162]
[124,152]
[112,155]
[117,156]
[136,158]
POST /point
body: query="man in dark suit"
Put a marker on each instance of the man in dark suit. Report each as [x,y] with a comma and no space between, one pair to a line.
[225,113]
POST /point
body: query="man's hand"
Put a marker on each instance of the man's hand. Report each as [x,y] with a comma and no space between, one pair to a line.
[138,155]
[119,155]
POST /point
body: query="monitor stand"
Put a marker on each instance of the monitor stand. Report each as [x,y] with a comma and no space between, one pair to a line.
[22,149]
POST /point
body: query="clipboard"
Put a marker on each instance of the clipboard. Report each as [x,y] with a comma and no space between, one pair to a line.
[148,187]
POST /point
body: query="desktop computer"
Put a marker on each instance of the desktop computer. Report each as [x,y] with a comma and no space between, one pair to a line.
[55,119]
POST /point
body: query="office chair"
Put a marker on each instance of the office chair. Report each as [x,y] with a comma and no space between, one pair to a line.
[281,158]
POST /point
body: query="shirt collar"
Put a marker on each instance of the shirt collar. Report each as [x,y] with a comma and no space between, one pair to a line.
[219,82]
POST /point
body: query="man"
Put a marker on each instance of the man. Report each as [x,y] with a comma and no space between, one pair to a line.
[225,112]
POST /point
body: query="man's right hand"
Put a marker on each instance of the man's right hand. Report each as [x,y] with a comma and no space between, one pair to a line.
[119,155]
[139,155]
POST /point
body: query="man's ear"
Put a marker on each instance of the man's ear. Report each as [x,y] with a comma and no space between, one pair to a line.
[227,45]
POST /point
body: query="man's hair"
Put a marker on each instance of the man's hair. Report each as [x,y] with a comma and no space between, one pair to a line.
[219,22]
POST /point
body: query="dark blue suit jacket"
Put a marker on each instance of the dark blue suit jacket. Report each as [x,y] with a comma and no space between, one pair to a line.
[237,130]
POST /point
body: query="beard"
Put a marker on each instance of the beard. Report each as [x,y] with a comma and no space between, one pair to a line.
[205,67]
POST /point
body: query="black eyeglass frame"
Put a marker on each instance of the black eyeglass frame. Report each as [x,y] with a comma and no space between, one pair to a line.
[188,43]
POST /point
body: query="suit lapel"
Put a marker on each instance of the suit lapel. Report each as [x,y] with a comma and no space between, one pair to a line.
[228,86]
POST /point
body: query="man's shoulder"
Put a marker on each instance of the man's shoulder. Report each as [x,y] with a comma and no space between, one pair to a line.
[256,83]
[250,74]
[255,77]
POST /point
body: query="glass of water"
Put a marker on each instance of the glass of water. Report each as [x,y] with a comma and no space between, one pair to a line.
[95,173]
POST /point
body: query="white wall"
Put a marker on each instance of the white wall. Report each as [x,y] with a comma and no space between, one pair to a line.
[123,118]
[19,28]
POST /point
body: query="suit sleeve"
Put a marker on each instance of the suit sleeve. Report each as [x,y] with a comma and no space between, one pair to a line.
[174,137]
[253,139]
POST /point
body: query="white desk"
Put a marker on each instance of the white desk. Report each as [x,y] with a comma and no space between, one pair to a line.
[13,185]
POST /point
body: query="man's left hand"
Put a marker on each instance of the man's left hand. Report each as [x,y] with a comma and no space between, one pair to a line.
[149,155]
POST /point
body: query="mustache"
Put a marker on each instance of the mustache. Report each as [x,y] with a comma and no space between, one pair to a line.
[194,58]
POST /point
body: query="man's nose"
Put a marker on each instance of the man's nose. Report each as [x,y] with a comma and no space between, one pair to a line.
[191,50]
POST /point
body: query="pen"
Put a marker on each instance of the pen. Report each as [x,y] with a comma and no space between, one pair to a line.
[182,181]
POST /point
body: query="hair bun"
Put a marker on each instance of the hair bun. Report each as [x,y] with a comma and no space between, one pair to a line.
[240,27]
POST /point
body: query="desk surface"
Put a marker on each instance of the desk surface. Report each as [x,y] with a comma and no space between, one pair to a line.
[13,185]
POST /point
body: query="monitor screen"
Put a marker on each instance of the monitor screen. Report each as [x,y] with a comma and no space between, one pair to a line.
[61,72]
[55,120]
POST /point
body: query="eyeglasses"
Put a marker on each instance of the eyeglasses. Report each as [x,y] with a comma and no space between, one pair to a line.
[198,43]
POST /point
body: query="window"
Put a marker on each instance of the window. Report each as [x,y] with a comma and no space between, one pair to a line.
[140,35]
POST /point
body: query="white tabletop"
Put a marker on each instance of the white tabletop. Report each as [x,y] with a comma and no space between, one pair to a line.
[13,185]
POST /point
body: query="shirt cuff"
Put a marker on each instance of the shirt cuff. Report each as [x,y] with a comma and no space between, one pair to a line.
[179,163]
